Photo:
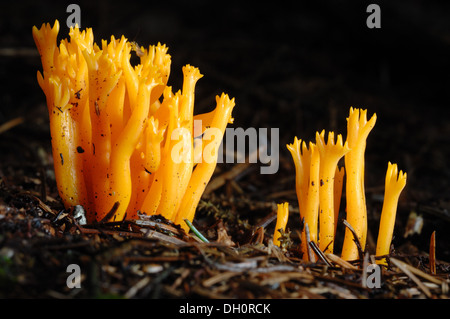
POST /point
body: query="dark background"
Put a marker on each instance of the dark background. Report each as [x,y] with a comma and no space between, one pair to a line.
[297,66]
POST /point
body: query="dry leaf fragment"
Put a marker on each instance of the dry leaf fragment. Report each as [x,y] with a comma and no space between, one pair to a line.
[222,235]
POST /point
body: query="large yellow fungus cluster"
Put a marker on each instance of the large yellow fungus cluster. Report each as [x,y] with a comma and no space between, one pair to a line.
[122,141]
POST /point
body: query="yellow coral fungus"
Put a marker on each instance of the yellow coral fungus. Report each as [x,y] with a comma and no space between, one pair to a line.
[307,163]
[395,182]
[122,141]
[330,154]
[319,183]
[302,158]
[204,170]
[358,128]
[282,218]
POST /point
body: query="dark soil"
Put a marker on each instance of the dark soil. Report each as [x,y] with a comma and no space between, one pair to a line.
[298,68]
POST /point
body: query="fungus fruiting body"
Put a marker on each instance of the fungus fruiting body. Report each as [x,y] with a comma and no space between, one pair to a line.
[122,141]
[282,218]
[307,165]
[330,154]
[358,128]
[319,184]
[395,182]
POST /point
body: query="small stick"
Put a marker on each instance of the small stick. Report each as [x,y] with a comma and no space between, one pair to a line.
[162,226]
[266,220]
[311,256]
[148,233]
[320,253]
[111,213]
[138,286]
[341,262]
[404,267]
[433,253]
[18,52]
[224,276]
[10,124]
[355,238]
[220,180]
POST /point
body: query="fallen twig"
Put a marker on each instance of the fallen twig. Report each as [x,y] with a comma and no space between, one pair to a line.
[220,180]
[407,270]
[341,262]
[433,253]
[10,124]
[319,253]
[355,238]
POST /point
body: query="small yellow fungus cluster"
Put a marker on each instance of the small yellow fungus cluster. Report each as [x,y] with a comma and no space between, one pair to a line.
[319,184]
[122,141]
